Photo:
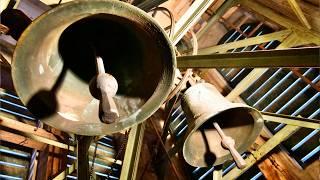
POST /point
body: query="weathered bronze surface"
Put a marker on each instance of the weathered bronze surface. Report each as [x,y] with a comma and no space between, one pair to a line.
[203,105]
[55,60]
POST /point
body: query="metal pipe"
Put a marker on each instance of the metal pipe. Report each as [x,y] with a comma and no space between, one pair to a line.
[238,74]
[273,88]
[264,84]
[14,153]
[288,89]
[310,154]
[17,114]
[13,104]
[293,99]
[304,140]
[207,173]
[10,177]
[256,176]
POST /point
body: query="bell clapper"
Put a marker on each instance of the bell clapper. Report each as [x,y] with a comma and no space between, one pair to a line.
[108,87]
[228,143]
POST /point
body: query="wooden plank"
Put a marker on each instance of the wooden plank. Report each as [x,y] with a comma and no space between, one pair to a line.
[259,59]
[29,132]
[297,10]
[192,15]
[21,140]
[42,164]
[64,173]
[222,9]
[82,162]
[309,35]
[290,41]
[279,165]
[294,121]
[26,128]
[280,36]
[132,154]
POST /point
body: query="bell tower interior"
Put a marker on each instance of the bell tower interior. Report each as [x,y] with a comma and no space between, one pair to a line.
[159,89]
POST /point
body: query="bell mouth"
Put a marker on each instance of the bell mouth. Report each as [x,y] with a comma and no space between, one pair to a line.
[202,147]
[128,51]
[56,54]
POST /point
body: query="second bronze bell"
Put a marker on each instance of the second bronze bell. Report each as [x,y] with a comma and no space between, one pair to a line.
[204,106]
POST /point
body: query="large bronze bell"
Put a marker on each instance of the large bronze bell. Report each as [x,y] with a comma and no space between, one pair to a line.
[55,59]
[204,105]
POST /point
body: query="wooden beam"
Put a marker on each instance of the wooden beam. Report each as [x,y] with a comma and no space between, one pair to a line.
[132,153]
[282,135]
[83,144]
[21,140]
[306,34]
[279,165]
[42,164]
[259,59]
[280,36]
[297,10]
[29,131]
[23,127]
[290,41]
[192,15]
[222,9]
[294,121]
[64,173]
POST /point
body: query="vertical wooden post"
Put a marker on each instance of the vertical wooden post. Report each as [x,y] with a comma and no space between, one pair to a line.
[83,143]
[42,164]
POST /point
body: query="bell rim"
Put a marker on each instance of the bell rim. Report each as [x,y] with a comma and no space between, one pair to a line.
[154,102]
[258,123]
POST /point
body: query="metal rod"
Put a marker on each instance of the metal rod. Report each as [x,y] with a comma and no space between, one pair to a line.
[285,91]
[272,89]
[310,154]
[298,110]
[264,84]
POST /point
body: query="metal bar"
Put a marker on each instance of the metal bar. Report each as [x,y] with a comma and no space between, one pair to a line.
[10,177]
[263,150]
[222,9]
[32,165]
[310,154]
[296,96]
[287,90]
[258,59]
[290,41]
[280,36]
[291,120]
[296,112]
[192,15]
[304,140]
[255,177]
[297,10]
[252,77]
[264,84]
[238,74]
[305,79]
[279,83]
[206,173]
[132,154]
